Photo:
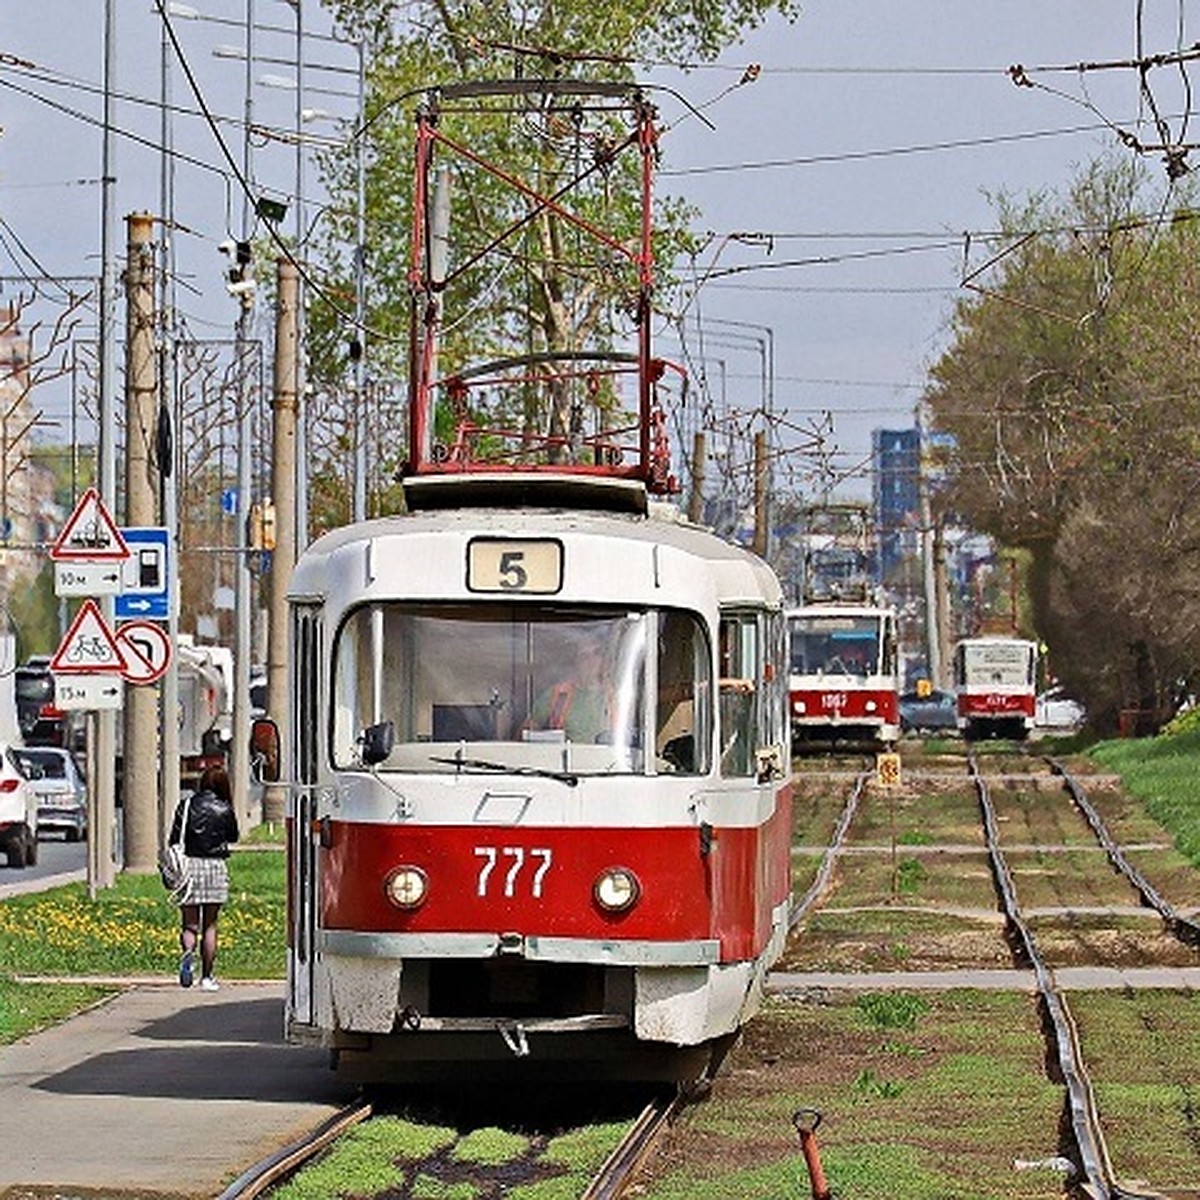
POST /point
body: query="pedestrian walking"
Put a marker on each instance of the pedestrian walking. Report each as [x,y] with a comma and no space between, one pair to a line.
[211,826]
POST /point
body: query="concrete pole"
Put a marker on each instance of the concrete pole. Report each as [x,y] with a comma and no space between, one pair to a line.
[933,637]
[941,589]
[283,481]
[141,750]
[168,474]
[696,498]
[760,495]
[102,726]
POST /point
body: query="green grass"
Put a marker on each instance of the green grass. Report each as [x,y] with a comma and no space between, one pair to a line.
[1161,772]
[393,1156]
[129,929]
[938,1117]
[26,1008]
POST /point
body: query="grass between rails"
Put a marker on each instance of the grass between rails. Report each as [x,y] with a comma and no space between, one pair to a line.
[393,1156]
[129,929]
[925,1097]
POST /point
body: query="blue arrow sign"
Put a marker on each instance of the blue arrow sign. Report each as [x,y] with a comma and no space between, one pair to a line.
[146,578]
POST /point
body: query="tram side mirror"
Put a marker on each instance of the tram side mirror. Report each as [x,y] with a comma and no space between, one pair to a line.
[377,742]
[264,750]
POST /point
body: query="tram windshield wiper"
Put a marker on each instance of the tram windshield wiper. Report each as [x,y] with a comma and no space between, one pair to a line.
[486,764]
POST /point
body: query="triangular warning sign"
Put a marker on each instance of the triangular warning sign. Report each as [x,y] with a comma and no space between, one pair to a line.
[88,648]
[90,533]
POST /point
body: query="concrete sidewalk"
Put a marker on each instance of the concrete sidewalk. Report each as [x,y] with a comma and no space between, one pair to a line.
[160,1092]
[1074,979]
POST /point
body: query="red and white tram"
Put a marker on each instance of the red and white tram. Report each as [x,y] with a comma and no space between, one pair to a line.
[480,877]
[995,682]
[540,802]
[843,684]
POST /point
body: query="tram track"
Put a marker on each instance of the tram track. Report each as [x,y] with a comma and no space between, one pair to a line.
[610,1182]
[1067,1042]
[1094,1161]
[1076,871]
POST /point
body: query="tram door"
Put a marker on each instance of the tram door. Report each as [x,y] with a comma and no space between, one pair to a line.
[307,681]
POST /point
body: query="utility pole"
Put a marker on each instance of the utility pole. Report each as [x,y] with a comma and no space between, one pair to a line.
[242,287]
[168,798]
[933,637]
[760,494]
[696,499]
[102,726]
[141,751]
[283,484]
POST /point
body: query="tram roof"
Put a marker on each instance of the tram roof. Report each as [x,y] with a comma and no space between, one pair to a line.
[834,608]
[741,574]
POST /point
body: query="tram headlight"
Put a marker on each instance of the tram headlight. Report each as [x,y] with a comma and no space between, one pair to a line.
[798,707]
[406,887]
[616,889]
[870,706]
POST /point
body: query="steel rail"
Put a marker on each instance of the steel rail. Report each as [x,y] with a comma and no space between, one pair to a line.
[1182,927]
[1085,1118]
[277,1166]
[616,1173]
[800,908]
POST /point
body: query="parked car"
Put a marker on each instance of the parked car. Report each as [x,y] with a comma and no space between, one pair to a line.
[934,713]
[18,812]
[60,788]
[1055,710]
[39,720]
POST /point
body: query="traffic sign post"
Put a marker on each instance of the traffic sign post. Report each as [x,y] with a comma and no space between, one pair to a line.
[90,534]
[88,647]
[146,577]
[88,691]
[147,650]
[86,578]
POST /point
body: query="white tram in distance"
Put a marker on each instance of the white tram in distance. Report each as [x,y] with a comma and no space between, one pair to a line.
[995,685]
[843,684]
[541,809]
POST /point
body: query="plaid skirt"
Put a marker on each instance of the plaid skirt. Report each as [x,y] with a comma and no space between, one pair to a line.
[208,881]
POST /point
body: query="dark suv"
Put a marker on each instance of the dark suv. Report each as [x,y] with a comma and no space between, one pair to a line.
[42,724]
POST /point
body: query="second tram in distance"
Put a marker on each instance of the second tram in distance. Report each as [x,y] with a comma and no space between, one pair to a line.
[843,684]
[995,683]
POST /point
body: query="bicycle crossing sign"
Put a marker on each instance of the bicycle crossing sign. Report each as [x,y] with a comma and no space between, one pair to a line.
[90,534]
[89,647]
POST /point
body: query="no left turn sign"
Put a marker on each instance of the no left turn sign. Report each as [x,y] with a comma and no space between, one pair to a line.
[147,651]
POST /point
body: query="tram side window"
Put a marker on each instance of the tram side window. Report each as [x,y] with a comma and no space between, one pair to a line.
[774,677]
[682,719]
[739,690]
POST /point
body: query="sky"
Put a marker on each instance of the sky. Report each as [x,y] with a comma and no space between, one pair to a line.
[851,170]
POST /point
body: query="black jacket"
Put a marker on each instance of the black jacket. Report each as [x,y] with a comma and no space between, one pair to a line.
[211,826]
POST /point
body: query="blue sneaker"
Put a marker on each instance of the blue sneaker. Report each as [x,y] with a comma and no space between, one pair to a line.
[185,970]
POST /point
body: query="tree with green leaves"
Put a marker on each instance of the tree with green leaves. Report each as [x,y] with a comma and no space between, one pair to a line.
[1070,391]
[544,287]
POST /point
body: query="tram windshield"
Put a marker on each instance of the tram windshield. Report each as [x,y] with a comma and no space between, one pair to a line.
[999,663]
[835,645]
[528,687]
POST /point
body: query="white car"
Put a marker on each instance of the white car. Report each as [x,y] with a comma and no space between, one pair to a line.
[1058,711]
[60,789]
[18,812]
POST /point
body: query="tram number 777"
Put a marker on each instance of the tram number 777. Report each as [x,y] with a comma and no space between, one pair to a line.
[516,858]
